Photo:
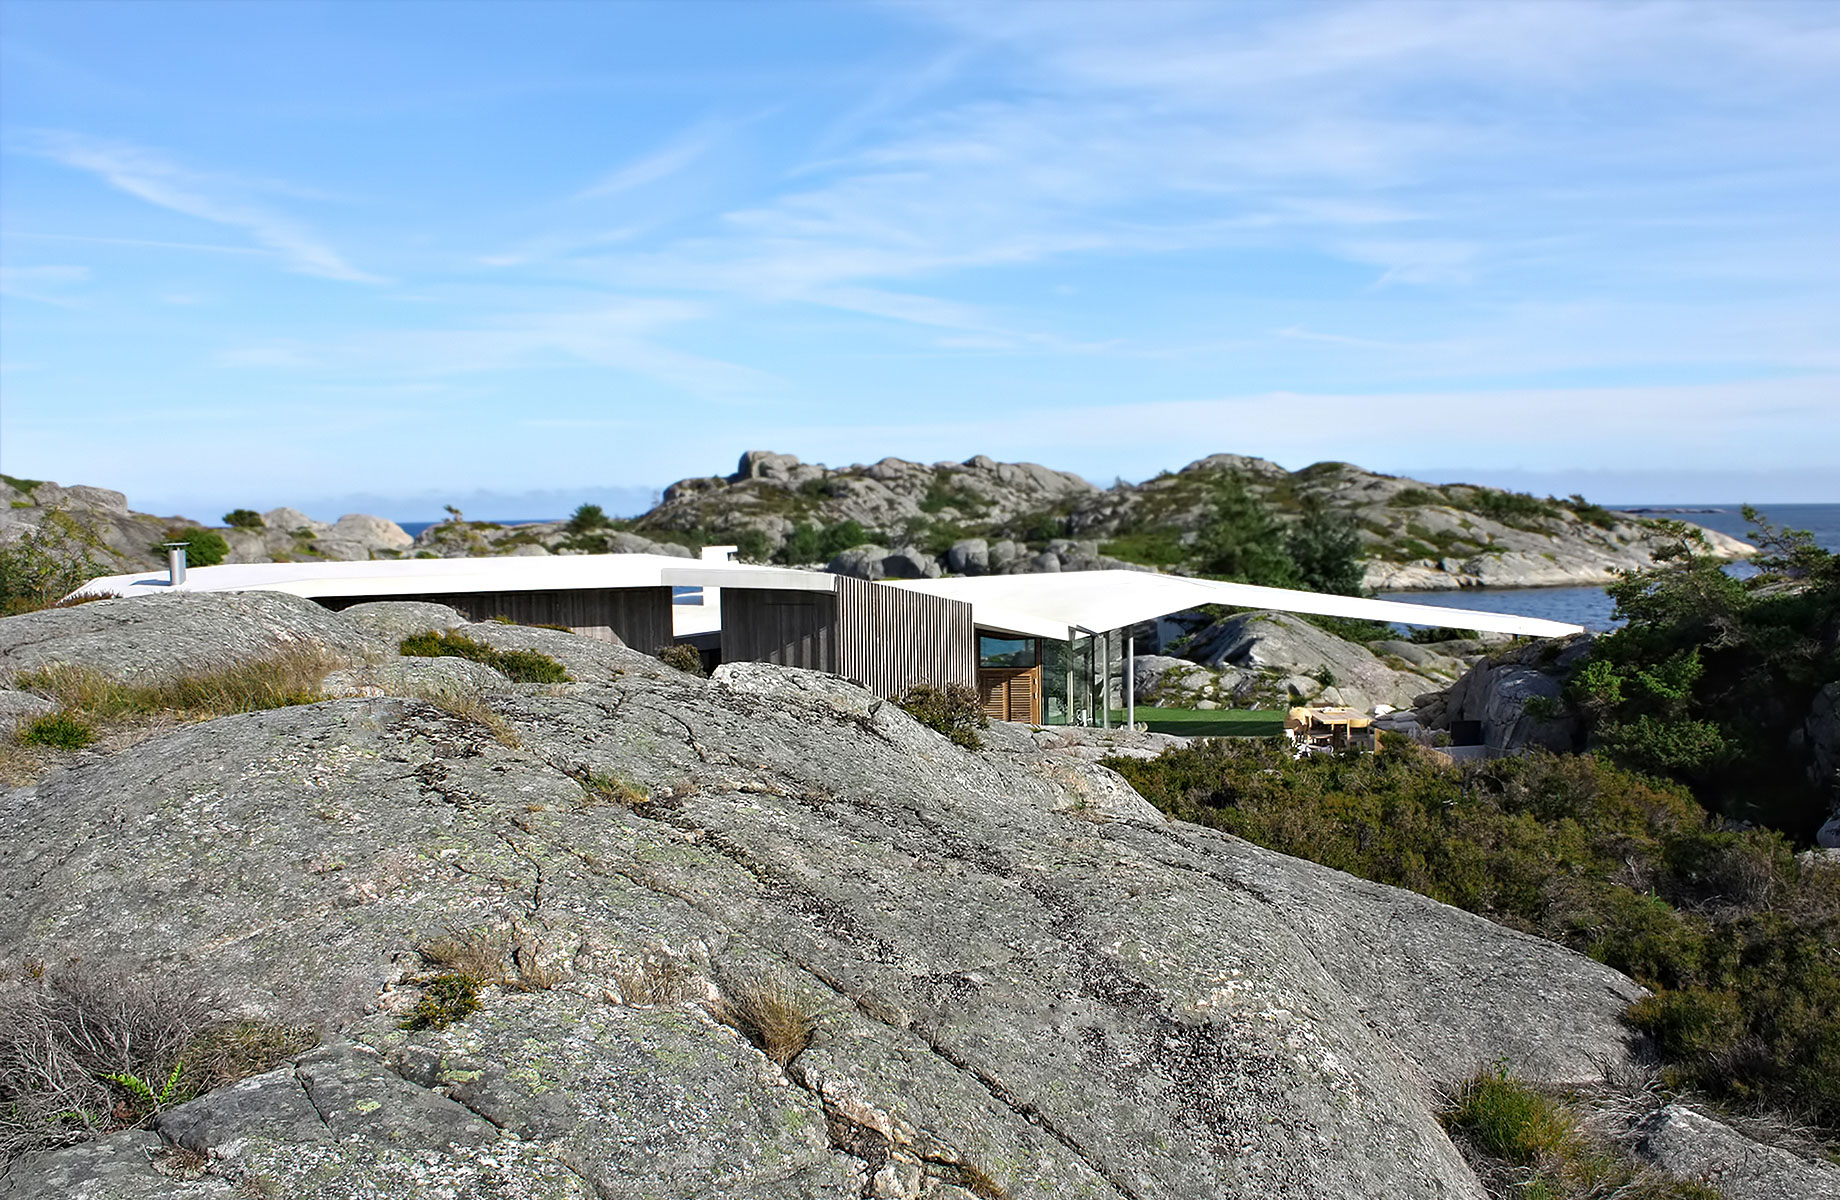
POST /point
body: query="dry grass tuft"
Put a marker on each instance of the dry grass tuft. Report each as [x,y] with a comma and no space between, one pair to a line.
[476,953]
[657,978]
[513,960]
[606,788]
[471,706]
[976,1180]
[769,1014]
[287,677]
[84,1053]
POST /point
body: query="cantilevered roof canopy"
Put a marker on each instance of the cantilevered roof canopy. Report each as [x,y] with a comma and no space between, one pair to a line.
[1096,601]
[424,576]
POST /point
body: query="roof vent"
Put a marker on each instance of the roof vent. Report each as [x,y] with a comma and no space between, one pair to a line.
[175,562]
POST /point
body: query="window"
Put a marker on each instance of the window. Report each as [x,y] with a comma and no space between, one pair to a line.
[687,595]
[1008,652]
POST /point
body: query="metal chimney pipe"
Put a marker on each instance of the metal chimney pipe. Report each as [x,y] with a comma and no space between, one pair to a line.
[175,562]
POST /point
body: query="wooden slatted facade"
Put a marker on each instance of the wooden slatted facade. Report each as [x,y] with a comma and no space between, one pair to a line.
[639,617]
[793,629]
[889,639]
[886,639]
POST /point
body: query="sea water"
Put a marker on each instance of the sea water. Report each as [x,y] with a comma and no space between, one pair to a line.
[1590,606]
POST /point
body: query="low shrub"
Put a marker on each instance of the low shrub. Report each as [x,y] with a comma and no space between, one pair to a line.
[684,657]
[203,547]
[445,999]
[39,567]
[521,666]
[1738,938]
[1510,1120]
[953,710]
[244,518]
[60,731]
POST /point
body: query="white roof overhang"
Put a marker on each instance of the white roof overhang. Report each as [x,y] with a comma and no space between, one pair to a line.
[1049,605]
[439,576]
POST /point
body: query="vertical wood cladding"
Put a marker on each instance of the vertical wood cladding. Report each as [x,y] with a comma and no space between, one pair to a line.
[793,629]
[639,617]
[889,638]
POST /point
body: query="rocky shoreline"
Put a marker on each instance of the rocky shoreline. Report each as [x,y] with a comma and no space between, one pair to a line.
[895,519]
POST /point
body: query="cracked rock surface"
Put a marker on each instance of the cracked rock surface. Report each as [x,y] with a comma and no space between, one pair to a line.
[1018,979]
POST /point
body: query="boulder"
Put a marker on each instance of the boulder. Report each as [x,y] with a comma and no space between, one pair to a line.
[969,556]
[1692,1145]
[1304,658]
[909,563]
[16,707]
[390,621]
[861,562]
[146,637]
[426,677]
[1500,690]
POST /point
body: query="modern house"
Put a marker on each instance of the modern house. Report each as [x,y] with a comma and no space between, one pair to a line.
[1047,649]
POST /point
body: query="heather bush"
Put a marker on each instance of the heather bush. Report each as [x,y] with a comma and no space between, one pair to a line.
[1738,937]
[952,710]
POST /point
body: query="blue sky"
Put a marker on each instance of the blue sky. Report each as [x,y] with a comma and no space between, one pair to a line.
[383,255]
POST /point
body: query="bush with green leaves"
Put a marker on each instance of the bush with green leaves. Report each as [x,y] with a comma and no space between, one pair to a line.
[808,543]
[684,657]
[38,567]
[1710,678]
[203,547]
[953,710]
[244,518]
[1739,938]
[521,666]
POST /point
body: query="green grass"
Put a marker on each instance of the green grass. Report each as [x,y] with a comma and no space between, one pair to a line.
[1219,722]
[523,666]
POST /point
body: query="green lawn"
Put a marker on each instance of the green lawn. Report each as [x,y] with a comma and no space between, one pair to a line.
[1220,722]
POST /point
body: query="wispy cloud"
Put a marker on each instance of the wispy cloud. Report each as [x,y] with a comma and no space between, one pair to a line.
[660,164]
[148,176]
[46,284]
[622,335]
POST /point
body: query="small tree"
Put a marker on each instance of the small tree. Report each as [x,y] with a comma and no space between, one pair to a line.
[244,518]
[1241,539]
[42,565]
[1326,546]
[587,517]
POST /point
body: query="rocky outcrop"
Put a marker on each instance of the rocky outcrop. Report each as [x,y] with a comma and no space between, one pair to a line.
[1517,696]
[1693,1146]
[289,535]
[123,540]
[1021,980]
[129,541]
[1275,659]
[156,637]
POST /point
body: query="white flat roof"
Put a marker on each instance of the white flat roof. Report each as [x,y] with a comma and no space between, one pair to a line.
[1030,605]
[435,576]
[1048,605]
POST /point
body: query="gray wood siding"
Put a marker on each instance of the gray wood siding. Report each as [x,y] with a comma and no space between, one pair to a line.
[889,639]
[639,617]
[793,629]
